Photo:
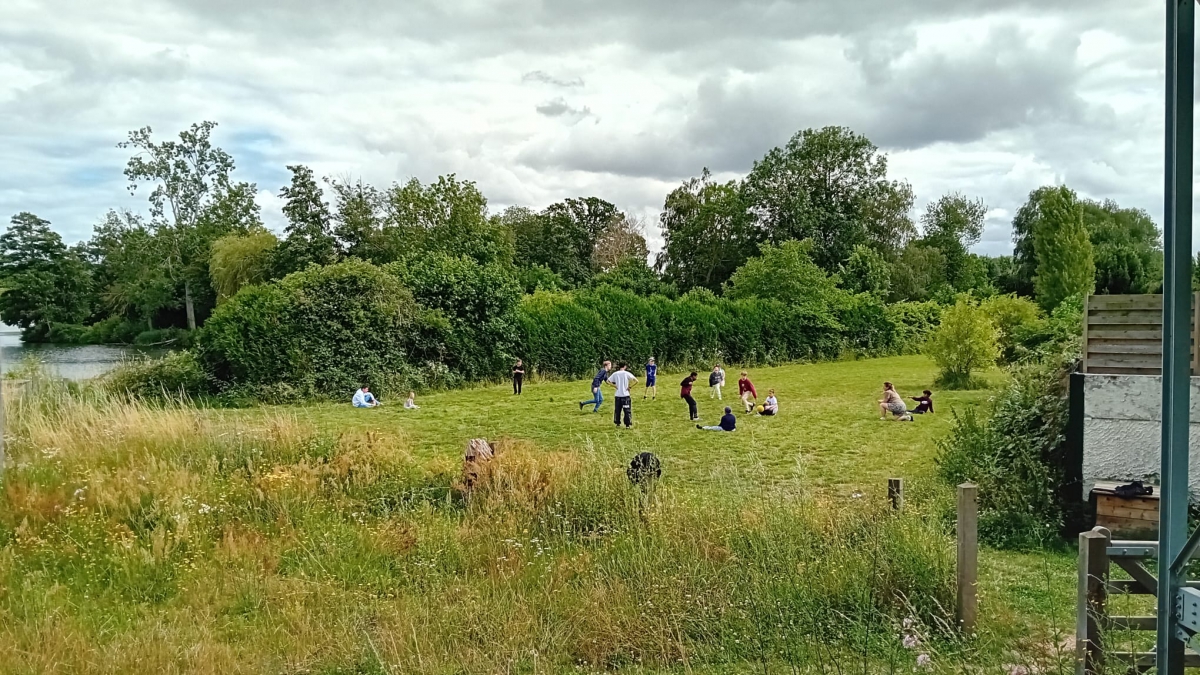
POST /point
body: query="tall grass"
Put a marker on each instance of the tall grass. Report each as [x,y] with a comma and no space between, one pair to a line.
[162,538]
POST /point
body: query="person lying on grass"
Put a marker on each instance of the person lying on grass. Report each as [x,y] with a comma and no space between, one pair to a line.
[728,422]
[924,403]
[893,403]
[364,399]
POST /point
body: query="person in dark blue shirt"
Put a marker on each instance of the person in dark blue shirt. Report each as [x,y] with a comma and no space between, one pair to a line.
[728,422]
[651,379]
[600,378]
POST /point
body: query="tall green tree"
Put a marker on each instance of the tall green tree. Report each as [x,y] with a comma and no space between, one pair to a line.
[1063,249]
[309,238]
[866,271]
[358,220]
[192,187]
[129,276]
[563,237]
[239,260]
[1126,247]
[448,215]
[919,272]
[43,281]
[953,224]
[708,233]
[786,273]
[829,186]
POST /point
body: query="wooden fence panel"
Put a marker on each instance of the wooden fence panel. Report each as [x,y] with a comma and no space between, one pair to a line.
[1122,334]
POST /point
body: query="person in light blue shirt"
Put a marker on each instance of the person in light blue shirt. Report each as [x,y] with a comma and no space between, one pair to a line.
[363,398]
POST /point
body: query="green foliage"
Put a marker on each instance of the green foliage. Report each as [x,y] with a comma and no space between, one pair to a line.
[785,273]
[326,330]
[563,238]
[829,185]
[964,342]
[478,300]
[539,278]
[952,224]
[174,375]
[1053,336]
[446,216]
[568,334]
[176,338]
[309,236]
[867,326]
[866,271]
[113,330]
[708,232]
[1062,249]
[1126,248]
[238,260]
[635,276]
[43,281]
[918,274]
[1014,318]
[1015,452]
[913,322]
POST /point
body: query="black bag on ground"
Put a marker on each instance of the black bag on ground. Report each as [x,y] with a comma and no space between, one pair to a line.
[643,467]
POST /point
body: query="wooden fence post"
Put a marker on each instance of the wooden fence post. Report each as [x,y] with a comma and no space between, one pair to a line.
[1090,605]
[896,493]
[968,556]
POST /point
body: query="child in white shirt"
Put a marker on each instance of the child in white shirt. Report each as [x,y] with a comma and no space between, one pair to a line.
[410,403]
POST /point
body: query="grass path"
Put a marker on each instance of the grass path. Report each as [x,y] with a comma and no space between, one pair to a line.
[828,431]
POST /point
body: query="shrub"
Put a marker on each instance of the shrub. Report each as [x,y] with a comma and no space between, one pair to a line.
[867,326]
[68,333]
[866,271]
[914,322]
[963,343]
[785,273]
[174,337]
[1013,316]
[1015,451]
[176,374]
[238,260]
[114,330]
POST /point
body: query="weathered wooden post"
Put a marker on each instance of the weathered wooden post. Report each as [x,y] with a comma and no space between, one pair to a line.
[896,493]
[968,556]
[1092,597]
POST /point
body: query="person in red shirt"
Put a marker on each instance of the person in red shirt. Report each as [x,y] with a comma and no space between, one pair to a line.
[685,393]
[746,391]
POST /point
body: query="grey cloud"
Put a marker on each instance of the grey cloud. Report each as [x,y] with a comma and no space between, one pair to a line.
[559,108]
[546,78]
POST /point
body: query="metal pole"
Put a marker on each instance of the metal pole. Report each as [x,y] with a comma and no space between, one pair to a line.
[1177,240]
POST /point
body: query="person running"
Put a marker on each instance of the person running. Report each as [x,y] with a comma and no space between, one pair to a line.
[771,405]
[518,374]
[924,403]
[651,380]
[893,403]
[716,380]
[685,393]
[363,398]
[623,380]
[746,391]
[597,396]
[410,403]
[728,422]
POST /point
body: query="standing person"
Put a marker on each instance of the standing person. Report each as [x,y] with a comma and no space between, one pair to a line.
[893,403]
[728,422]
[716,380]
[651,380]
[623,380]
[518,373]
[597,396]
[746,391]
[685,393]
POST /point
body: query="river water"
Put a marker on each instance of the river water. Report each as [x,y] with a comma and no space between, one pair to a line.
[73,362]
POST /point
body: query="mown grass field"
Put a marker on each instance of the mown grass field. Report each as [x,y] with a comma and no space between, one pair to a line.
[325,539]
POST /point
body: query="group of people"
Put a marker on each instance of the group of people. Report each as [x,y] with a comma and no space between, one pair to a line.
[363,398]
[892,402]
[622,380]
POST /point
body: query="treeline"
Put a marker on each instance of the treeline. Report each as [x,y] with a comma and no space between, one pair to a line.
[812,254]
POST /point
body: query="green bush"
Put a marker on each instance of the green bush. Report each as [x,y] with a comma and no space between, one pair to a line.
[1014,316]
[867,326]
[323,331]
[964,342]
[114,330]
[567,334]
[914,322]
[176,374]
[1015,453]
[179,338]
[68,333]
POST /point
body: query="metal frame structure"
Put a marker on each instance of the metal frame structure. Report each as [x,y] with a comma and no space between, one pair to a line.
[1178,605]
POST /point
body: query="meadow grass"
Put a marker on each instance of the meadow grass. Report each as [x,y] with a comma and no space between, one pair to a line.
[322,539]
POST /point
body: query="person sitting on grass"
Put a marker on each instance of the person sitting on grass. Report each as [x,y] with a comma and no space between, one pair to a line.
[924,403]
[728,422]
[771,405]
[410,403]
[893,403]
[364,399]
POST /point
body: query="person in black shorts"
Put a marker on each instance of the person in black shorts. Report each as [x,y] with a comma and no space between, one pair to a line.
[651,379]
[518,374]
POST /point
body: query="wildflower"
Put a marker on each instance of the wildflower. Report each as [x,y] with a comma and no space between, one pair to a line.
[924,662]
[205,508]
[911,641]
[908,623]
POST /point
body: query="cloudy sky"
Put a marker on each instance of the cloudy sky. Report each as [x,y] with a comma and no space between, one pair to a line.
[541,100]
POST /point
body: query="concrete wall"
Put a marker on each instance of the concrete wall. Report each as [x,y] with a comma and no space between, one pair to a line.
[1122,432]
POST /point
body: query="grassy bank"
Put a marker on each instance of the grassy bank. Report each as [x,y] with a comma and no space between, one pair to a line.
[329,540]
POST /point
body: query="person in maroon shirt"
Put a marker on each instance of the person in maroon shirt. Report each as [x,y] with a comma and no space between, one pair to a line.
[685,393]
[924,403]
[746,391]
